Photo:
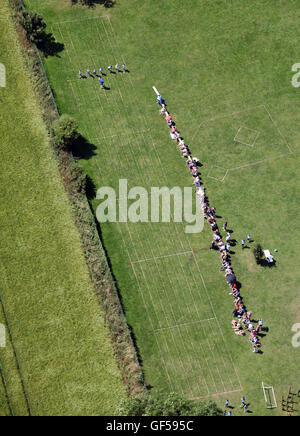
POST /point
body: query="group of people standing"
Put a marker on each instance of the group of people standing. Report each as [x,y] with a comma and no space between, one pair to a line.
[240,311]
[101,73]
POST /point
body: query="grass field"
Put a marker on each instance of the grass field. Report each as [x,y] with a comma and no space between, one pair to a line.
[58,358]
[225,70]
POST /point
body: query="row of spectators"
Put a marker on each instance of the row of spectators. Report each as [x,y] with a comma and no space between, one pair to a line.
[240,312]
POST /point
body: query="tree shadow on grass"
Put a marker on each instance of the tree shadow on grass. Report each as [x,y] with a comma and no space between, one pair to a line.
[83,149]
[265,264]
[49,46]
[90,188]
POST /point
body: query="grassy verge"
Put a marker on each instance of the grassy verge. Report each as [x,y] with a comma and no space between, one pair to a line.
[63,348]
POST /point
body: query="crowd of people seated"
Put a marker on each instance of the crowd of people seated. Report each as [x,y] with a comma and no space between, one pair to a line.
[240,312]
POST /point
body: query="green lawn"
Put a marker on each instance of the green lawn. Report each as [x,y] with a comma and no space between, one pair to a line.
[225,71]
[58,359]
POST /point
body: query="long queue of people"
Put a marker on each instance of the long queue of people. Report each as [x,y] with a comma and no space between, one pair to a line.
[240,312]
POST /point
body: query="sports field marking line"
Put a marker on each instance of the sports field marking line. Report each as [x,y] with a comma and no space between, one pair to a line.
[150,319]
[221,331]
[76,21]
[185,324]
[217,394]
[215,178]
[245,143]
[162,257]
[100,138]
[279,156]
[225,116]
[218,180]
[227,171]
[283,137]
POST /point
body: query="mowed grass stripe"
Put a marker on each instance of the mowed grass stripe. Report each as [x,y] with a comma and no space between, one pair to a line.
[64,350]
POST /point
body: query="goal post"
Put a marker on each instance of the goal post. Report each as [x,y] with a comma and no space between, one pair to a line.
[269,395]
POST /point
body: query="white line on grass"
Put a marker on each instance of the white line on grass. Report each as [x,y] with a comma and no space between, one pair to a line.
[162,257]
[184,324]
[283,137]
[216,395]
[98,138]
[76,21]
[225,116]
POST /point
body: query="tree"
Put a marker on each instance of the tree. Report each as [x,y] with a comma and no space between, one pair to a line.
[258,254]
[91,3]
[166,404]
[34,25]
[77,177]
[66,132]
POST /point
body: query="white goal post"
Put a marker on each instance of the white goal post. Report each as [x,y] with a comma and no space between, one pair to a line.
[270,397]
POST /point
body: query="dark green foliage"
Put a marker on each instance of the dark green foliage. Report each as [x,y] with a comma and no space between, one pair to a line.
[166,404]
[66,133]
[34,25]
[77,177]
[258,253]
[91,3]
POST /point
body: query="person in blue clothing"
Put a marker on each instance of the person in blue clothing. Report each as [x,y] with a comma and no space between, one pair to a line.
[124,68]
[160,100]
[101,71]
[80,74]
[243,243]
[101,83]
[246,408]
[88,73]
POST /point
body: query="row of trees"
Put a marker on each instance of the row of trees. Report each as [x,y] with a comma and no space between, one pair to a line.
[164,404]
[91,3]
